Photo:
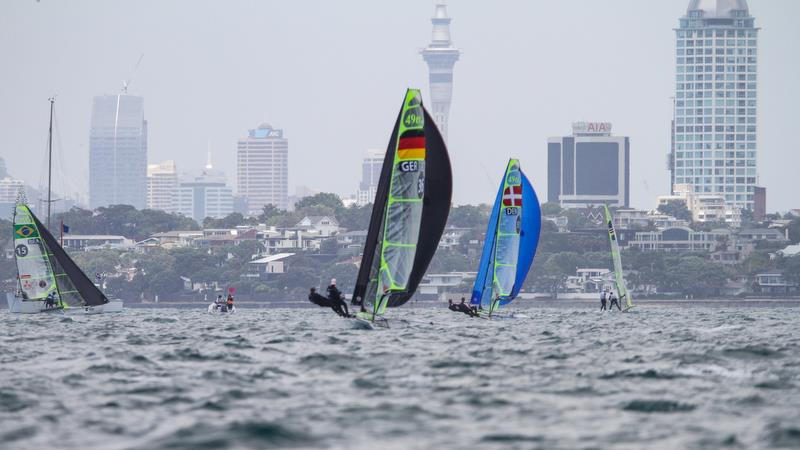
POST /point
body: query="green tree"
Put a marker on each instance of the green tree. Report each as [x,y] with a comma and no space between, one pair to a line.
[794,231]
[469,216]
[328,199]
[232,220]
[268,211]
[676,209]
[354,217]
[165,283]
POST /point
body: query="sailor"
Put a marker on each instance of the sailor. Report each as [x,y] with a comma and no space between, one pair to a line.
[603,300]
[452,306]
[335,296]
[466,309]
[50,301]
[614,301]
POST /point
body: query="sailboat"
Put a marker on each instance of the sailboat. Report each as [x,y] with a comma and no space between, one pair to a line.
[408,216]
[47,278]
[619,279]
[511,240]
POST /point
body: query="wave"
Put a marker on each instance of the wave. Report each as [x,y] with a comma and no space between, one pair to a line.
[657,406]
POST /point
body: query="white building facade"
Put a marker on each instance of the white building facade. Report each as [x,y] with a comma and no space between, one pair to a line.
[162,186]
[714,133]
[205,196]
[262,168]
[370,175]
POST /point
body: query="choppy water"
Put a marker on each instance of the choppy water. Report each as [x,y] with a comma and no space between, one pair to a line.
[663,377]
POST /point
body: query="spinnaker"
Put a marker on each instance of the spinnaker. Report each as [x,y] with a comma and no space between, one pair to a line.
[511,240]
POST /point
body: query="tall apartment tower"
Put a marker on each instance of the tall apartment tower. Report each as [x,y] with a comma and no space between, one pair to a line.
[118,152]
[715,101]
[441,56]
[162,185]
[370,174]
[262,168]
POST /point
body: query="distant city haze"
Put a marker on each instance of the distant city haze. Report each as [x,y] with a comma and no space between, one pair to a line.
[332,76]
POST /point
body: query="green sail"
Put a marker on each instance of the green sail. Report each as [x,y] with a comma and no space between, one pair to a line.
[404,203]
[34,270]
[619,280]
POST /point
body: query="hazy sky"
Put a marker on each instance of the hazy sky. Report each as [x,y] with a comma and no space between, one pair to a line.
[332,74]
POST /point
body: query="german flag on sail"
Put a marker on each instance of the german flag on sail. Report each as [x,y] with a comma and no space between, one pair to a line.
[411,147]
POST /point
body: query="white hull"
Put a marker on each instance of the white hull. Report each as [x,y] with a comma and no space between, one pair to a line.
[212,309]
[18,306]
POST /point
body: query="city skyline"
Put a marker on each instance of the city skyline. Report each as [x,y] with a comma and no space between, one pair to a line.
[514,110]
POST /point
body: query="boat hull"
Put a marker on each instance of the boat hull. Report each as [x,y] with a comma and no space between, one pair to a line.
[17,306]
[212,309]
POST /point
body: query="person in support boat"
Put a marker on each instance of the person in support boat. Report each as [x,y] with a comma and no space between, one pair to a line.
[229,302]
[335,296]
[603,300]
[614,301]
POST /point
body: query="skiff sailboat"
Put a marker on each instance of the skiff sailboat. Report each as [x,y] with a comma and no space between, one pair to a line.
[619,280]
[511,240]
[408,216]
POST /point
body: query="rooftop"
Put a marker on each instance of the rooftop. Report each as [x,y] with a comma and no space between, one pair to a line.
[718,9]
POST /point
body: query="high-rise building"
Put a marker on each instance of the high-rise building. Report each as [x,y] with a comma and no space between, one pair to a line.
[715,101]
[262,168]
[118,152]
[589,168]
[441,56]
[9,190]
[205,196]
[370,174]
[162,185]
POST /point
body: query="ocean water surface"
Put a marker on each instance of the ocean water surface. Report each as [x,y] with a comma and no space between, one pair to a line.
[563,378]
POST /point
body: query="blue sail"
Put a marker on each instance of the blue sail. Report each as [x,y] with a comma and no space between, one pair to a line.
[512,236]
[529,236]
[487,257]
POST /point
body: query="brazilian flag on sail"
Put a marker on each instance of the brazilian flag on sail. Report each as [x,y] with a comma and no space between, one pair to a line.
[24,231]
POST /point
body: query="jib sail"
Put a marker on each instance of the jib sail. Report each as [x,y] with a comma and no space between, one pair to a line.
[409,213]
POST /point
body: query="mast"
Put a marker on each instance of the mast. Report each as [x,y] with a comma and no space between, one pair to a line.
[50,160]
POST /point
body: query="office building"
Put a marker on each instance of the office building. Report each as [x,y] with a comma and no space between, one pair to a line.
[441,56]
[370,174]
[205,196]
[589,168]
[262,167]
[118,152]
[162,186]
[715,101]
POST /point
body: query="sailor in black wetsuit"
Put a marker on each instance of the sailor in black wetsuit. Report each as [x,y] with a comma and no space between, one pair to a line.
[466,309]
[452,306]
[335,296]
[603,301]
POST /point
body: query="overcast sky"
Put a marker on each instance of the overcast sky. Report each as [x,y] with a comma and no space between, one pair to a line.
[332,74]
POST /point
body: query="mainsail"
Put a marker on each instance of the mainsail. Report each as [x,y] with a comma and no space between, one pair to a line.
[409,213]
[511,240]
[45,270]
[619,280]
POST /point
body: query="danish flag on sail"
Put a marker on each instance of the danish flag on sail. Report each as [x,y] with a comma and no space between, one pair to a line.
[512,196]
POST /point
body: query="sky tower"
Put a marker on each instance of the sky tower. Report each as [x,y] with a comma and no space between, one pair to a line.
[441,56]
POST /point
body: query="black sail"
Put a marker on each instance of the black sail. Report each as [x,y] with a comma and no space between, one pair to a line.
[435,196]
[73,279]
